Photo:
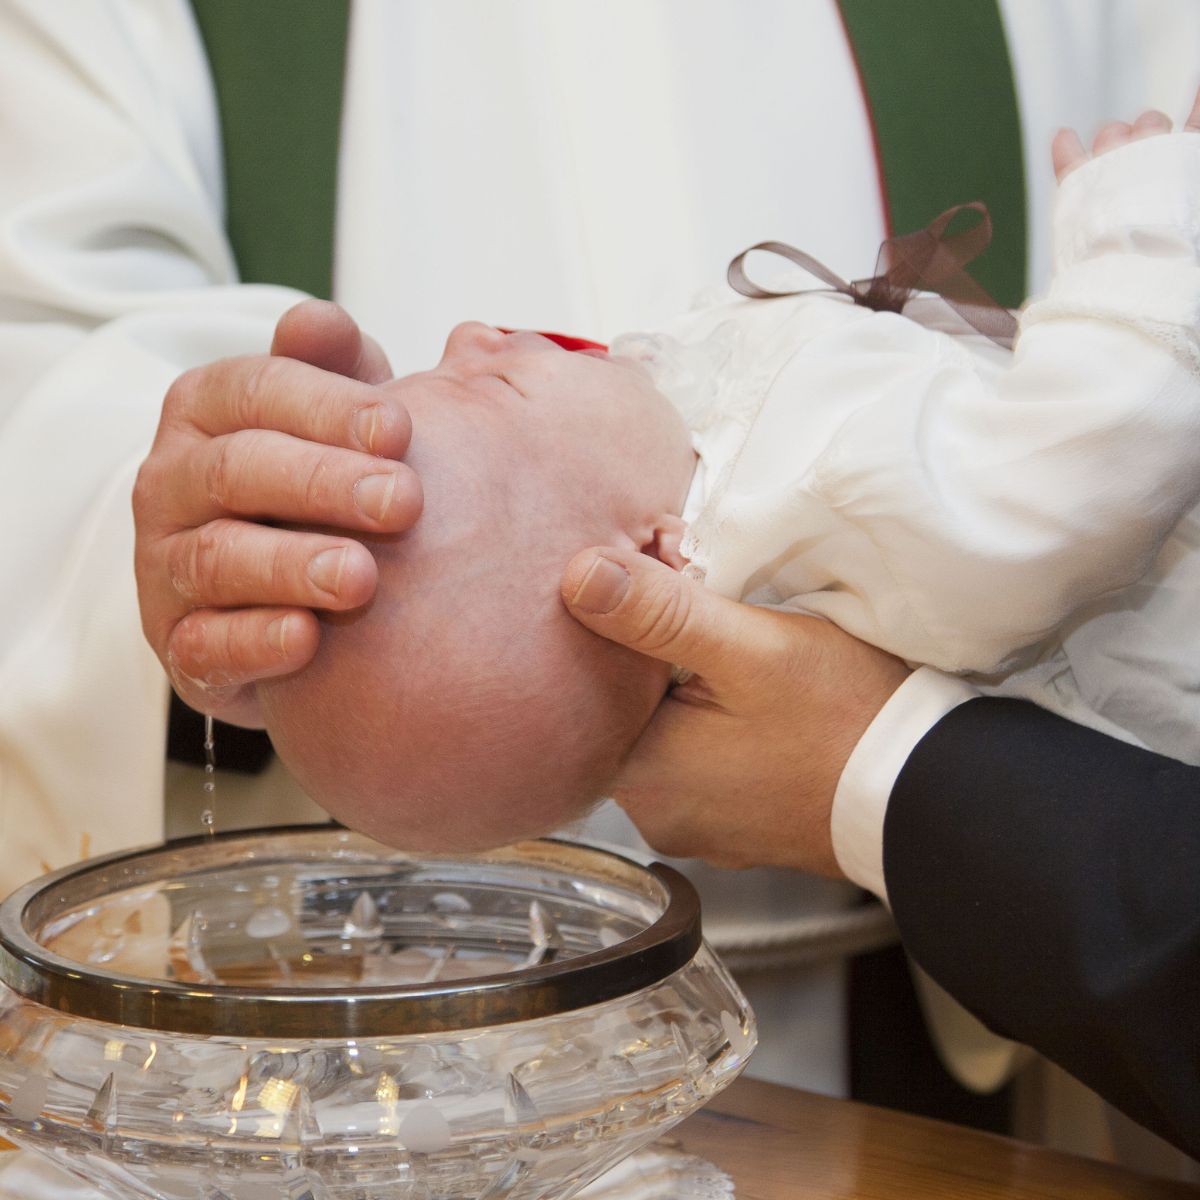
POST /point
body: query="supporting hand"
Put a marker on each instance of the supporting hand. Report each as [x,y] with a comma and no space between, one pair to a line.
[301,435]
[740,763]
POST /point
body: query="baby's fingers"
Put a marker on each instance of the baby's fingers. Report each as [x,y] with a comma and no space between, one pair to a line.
[1149,124]
[1110,136]
[1067,153]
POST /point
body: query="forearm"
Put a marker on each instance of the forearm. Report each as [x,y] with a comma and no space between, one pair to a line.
[1045,875]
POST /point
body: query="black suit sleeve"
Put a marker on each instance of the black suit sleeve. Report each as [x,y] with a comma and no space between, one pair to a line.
[1048,877]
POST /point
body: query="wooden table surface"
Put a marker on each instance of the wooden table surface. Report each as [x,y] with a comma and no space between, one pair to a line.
[781,1144]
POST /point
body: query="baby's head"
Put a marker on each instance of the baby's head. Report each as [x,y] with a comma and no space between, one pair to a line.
[463,707]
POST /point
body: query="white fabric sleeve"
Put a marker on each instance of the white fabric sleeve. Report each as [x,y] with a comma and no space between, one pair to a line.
[984,506]
[861,800]
[115,276]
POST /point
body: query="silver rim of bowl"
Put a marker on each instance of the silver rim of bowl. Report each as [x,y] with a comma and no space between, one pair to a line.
[87,991]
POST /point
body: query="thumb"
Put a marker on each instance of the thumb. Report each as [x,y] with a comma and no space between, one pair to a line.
[638,602]
[325,335]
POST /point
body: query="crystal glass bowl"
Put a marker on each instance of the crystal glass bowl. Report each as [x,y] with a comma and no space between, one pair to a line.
[309,1015]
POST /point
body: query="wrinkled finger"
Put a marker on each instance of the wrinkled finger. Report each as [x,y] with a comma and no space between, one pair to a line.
[213,654]
[282,394]
[325,335]
[1110,136]
[1067,153]
[260,473]
[639,602]
[230,564]
[1149,124]
[236,704]
[1192,123]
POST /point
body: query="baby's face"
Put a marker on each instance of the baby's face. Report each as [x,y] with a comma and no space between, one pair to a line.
[598,416]
[463,707]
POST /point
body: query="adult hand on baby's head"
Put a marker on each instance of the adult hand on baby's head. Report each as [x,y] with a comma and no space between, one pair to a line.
[1067,151]
[740,763]
[300,435]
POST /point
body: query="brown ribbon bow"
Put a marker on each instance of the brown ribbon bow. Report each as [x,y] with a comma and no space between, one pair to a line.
[929,260]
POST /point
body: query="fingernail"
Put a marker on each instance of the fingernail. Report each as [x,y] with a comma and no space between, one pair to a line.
[366,425]
[373,495]
[603,587]
[325,570]
[277,635]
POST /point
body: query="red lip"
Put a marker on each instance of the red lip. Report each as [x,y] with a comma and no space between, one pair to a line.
[568,342]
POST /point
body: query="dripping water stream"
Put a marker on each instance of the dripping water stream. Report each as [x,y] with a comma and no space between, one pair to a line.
[210,781]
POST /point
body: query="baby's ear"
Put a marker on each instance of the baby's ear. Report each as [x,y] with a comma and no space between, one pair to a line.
[665,539]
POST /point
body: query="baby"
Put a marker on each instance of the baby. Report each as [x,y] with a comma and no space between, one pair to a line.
[463,707]
[1022,517]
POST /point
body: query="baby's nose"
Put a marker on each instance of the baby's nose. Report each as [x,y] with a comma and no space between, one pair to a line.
[471,339]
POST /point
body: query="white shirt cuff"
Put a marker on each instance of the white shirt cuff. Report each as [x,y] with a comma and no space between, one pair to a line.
[861,800]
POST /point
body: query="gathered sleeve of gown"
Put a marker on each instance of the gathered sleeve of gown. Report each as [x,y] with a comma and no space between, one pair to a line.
[934,494]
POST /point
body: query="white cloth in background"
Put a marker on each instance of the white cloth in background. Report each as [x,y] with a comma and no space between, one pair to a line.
[114,275]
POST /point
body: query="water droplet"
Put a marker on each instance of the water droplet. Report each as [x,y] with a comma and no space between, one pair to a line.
[207,817]
[450,902]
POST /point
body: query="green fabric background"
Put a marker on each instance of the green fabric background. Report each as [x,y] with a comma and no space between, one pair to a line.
[278,67]
[940,87]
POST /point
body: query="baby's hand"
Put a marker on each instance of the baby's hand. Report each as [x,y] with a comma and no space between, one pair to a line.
[1068,153]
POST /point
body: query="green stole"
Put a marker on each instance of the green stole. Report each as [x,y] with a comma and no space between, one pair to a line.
[943,105]
[278,67]
[936,75]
